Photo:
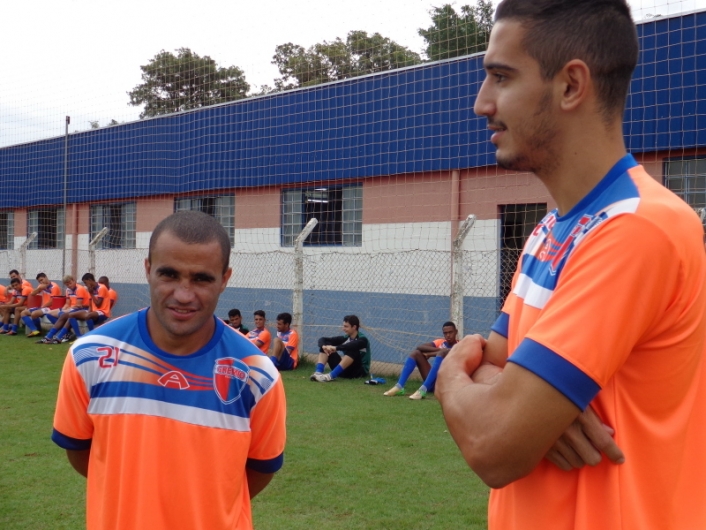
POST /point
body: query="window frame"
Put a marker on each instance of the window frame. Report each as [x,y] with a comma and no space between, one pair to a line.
[128,225]
[224,213]
[9,230]
[35,224]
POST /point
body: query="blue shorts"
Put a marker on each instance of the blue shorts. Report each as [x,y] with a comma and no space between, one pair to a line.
[285,361]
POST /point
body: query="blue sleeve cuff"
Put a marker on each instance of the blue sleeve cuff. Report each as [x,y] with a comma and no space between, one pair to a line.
[72,444]
[502,324]
[265,466]
[576,386]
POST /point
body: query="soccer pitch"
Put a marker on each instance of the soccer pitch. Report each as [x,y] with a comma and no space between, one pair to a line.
[354,459]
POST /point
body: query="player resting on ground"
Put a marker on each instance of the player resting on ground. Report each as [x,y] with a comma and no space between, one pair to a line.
[347,355]
[285,346]
[235,321]
[260,336]
[419,358]
[606,320]
[176,420]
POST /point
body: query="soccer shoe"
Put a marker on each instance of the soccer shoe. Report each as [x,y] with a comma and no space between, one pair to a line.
[395,391]
[3,331]
[34,334]
[324,378]
[419,394]
[45,340]
[313,376]
[11,333]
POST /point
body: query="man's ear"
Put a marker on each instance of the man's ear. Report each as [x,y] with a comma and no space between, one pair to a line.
[576,84]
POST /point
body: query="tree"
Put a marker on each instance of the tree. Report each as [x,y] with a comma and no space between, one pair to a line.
[171,83]
[452,34]
[360,54]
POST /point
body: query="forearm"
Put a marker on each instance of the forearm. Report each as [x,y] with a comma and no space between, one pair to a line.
[354,345]
[79,460]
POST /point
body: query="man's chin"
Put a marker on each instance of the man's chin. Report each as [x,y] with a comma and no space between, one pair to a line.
[512,163]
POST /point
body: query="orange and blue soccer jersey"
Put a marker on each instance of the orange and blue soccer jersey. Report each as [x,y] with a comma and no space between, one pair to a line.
[263,335]
[4,294]
[101,291]
[441,343]
[170,436]
[113,295]
[608,306]
[78,296]
[290,339]
[49,292]
[22,294]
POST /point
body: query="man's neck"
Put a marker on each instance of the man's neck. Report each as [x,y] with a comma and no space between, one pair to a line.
[585,157]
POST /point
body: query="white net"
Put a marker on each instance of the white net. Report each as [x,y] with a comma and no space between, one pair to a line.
[370,132]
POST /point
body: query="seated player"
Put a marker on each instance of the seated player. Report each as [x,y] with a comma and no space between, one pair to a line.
[15,274]
[419,358]
[285,347]
[260,336]
[112,293]
[347,355]
[96,314]
[14,308]
[77,299]
[235,321]
[31,316]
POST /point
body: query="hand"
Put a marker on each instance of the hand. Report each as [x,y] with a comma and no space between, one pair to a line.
[463,359]
[583,442]
[486,373]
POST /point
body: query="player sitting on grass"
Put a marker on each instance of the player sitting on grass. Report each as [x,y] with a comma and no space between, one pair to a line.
[77,299]
[235,321]
[285,349]
[419,358]
[260,336]
[355,349]
[15,307]
[32,316]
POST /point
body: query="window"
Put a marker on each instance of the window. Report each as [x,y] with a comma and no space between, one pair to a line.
[339,212]
[687,178]
[222,208]
[7,230]
[49,225]
[517,223]
[119,219]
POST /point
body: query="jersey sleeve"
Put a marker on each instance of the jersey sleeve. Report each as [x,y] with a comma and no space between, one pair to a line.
[614,287]
[292,342]
[73,428]
[268,427]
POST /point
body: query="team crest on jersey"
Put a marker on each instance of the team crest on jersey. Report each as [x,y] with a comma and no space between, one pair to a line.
[229,378]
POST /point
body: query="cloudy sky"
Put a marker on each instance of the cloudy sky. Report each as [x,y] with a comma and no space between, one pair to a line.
[80,57]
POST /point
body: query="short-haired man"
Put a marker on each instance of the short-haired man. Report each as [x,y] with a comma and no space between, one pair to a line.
[32,316]
[606,320]
[176,419]
[77,299]
[260,336]
[14,308]
[285,347]
[14,273]
[419,359]
[347,355]
[112,293]
[235,321]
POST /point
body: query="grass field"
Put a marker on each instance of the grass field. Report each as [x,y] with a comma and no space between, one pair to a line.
[354,459]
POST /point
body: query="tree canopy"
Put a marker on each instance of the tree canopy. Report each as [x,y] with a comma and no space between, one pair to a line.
[454,34]
[360,54]
[171,83]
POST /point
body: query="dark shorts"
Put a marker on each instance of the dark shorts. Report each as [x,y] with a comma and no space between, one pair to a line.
[354,371]
[285,361]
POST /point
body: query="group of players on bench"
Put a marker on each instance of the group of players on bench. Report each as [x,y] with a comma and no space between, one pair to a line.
[91,304]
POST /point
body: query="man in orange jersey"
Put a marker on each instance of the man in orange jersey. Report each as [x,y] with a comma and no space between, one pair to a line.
[285,347]
[260,336]
[176,419]
[14,308]
[112,293]
[605,323]
[32,315]
[97,312]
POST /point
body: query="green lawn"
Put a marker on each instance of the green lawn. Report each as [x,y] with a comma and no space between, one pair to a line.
[354,459]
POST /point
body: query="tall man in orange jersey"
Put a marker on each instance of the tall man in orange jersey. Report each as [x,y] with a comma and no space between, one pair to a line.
[605,323]
[176,419]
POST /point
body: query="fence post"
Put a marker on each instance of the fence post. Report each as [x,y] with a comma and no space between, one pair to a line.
[92,250]
[298,293]
[457,284]
[23,253]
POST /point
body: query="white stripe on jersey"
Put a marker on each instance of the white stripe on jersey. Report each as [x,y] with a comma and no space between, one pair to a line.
[533,295]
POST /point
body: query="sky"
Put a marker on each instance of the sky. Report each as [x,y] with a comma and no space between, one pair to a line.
[81,57]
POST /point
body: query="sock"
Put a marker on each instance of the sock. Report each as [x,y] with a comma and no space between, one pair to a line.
[74,326]
[37,323]
[13,327]
[51,333]
[90,324]
[61,334]
[422,388]
[6,327]
[430,381]
[409,366]
[336,372]
[320,367]
[52,318]
[29,323]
